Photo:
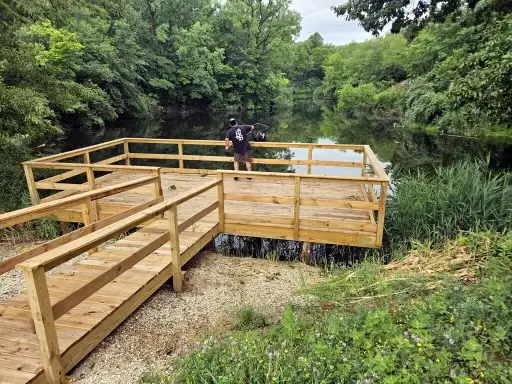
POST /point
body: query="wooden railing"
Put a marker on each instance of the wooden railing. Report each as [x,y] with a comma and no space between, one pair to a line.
[369,165]
[44,313]
[87,202]
[358,227]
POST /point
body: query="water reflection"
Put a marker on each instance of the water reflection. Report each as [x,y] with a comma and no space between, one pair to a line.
[399,150]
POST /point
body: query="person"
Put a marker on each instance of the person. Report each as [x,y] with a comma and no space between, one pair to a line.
[239,136]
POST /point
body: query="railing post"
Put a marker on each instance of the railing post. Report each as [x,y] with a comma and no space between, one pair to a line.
[158,183]
[32,189]
[127,152]
[220,176]
[382,212]
[180,152]
[296,208]
[310,159]
[174,237]
[44,324]
[365,161]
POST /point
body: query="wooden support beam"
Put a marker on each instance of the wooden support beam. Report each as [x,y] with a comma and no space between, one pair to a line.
[220,177]
[310,158]
[296,208]
[382,213]
[126,146]
[180,153]
[39,299]
[174,236]
[32,189]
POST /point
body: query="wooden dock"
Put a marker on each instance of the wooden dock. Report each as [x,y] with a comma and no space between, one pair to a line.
[142,224]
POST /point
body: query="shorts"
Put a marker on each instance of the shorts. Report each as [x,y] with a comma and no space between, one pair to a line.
[245,157]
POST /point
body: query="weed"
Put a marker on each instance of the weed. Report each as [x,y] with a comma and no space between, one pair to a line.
[249,319]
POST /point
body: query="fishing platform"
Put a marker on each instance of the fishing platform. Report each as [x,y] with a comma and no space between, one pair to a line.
[147,208]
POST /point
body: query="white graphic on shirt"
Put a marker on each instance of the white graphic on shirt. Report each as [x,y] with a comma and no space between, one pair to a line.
[238,135]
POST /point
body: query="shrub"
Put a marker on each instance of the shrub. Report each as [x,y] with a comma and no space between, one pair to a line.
[460,334]
[461,197]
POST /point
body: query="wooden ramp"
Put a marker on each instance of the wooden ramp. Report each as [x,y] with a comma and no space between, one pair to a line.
[91,297]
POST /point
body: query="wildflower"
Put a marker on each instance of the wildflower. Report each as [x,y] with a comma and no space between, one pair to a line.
[233,355]
[452,372]
[451,341]
[317,335]
[270,355]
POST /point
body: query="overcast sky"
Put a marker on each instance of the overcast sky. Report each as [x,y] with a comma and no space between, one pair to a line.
[317,16]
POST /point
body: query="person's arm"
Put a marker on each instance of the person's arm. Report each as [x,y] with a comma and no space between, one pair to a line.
[249,129]
[228,143]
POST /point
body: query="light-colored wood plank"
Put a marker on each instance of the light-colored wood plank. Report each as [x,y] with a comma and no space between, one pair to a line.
[220,192]
[382,213]
[258,198]
[44,324]
[174,235]
[334,224]
[296,208]
[309,202]
[32,189]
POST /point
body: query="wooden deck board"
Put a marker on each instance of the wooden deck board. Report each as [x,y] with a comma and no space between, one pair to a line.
[83,327]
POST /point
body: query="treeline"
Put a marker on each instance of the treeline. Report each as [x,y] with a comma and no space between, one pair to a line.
[449,72]
[73,63]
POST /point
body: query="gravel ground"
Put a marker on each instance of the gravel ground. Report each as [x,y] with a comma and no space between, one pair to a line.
[216,288]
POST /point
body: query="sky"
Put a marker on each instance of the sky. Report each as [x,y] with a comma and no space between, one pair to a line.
[317,16]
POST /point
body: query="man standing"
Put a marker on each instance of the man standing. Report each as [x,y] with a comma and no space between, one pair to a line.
[239,136]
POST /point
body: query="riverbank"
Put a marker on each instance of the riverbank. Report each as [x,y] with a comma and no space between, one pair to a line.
[437,315]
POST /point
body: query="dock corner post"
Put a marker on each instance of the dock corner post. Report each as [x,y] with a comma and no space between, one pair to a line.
[382,212]
[365,161]
[174,237]
[310,158]
[220,177]
[296,208]
[158,183]
[32,188]
[180,153]
[126,145]
[44,323]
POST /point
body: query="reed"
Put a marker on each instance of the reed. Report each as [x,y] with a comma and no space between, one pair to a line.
[461,197]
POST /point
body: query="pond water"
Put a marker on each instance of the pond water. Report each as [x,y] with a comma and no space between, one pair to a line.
[397,149]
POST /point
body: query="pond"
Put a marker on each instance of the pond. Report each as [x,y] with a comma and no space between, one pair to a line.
[397,149]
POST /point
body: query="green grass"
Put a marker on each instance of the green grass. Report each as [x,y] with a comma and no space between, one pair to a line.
[249,319]
[461,197]
[456,333]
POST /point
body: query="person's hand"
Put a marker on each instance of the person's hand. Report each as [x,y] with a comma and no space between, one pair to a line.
[227,147]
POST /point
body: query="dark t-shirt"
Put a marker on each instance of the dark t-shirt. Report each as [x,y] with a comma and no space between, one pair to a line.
[239,138]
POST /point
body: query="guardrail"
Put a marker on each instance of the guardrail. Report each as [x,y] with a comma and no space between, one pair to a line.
[369,165]
[358,228]
[44,313]
[90,214]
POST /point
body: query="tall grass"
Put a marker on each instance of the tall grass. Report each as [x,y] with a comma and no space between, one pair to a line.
[461,197]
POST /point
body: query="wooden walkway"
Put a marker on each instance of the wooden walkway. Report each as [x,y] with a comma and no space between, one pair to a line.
[142,224]
[83,327]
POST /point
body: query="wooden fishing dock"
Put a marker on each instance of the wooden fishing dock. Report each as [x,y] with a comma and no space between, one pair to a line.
[143,220]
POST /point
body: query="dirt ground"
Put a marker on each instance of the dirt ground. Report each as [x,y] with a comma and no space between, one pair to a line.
[163,327]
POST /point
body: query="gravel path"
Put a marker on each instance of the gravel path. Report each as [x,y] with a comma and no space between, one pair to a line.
[216,288]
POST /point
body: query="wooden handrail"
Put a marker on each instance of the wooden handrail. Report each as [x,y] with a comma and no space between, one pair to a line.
[26,214]
[220,143]
[51,259]
[229,159]
[10,263]
[81,151]
[374,162]
[94,166]
[369,180]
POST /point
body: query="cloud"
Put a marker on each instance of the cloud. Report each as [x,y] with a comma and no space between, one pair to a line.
[317,16]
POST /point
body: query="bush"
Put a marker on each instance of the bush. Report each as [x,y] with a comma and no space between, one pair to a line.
[460,334]
[12,178]
[460,197]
